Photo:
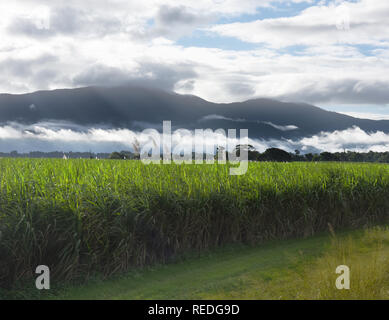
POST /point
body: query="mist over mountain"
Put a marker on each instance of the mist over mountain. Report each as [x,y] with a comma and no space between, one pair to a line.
[106,119]
[136,108]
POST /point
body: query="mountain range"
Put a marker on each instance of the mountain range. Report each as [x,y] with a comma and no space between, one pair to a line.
[137,108]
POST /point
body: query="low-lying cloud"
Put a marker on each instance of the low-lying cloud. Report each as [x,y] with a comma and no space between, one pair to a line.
[276,126]
[282,128]
[48,136]
[352,139]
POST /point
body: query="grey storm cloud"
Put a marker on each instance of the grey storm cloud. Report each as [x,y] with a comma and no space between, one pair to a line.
[65,20]
[52,44]
[42,70]
[187,85]
[174,22]
[25,67]
[70,20]
[27,27]
[169,21]
[148,75]
[238,88]
[349,91]
[178,15]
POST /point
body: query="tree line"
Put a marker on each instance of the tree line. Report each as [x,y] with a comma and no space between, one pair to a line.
[55,154]
[276,154]
[271,154]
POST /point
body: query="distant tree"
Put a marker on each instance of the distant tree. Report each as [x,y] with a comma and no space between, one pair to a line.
[327,156]
[116,156]
[252,154]
[275,154]
[123,155]
[316,158]
[221,153]
[126,155]
[309,156]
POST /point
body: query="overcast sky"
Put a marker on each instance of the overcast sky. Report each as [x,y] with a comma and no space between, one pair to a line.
[330,53]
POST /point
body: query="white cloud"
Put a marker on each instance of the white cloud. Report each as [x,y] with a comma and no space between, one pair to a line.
[318,25]
[67,137]
[276,126]
[365,115]
[282,128]
[219,117]
[354,139]
[49,45]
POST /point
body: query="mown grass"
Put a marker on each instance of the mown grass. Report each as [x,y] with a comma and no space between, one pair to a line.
[217,274]
[368,260]
[80,217]
[292,269]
